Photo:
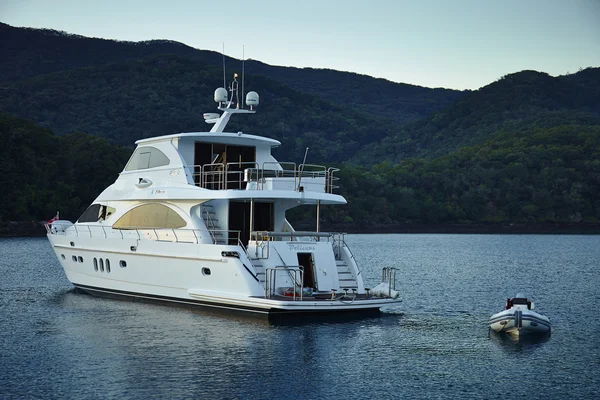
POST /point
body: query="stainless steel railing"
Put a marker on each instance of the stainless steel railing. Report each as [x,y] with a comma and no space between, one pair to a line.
[237,175]
[296,275]
[230,237]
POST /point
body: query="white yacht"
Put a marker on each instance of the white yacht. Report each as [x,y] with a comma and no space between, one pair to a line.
[200,219]
[518,318]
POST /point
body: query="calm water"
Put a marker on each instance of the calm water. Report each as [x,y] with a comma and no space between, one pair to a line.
[56,343]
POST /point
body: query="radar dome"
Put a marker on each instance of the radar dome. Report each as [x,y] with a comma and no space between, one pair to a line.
[211,115]
[220,95]
[252,99]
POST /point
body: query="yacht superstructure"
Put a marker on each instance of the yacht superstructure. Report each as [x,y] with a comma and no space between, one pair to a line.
[200,219]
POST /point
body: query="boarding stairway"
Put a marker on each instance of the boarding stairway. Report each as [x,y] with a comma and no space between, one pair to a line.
[212,224]
[346,276]
[260,271]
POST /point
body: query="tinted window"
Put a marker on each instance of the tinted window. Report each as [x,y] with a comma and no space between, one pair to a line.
[146,157]
[150,216]
[91,214]
[95,213]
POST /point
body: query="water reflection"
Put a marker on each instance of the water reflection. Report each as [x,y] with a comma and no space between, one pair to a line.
[517,344]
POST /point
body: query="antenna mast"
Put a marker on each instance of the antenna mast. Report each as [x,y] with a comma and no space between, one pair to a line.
[243,59]
[224,79]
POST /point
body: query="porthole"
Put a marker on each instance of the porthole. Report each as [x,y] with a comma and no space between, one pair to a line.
[108,265]
[63,256]
[80,259]
[74,258]
[101,265]
[122,263]
[205,271]
[95,264]
[72,244]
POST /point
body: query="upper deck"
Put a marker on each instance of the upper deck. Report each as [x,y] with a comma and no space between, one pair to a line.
[221,161]
[218,161]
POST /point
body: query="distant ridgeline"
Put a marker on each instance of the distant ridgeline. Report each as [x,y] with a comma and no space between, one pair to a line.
[522,150]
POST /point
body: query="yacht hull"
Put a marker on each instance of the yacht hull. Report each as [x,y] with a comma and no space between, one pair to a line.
[197,276]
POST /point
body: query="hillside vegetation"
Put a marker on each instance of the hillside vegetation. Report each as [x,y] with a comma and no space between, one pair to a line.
[522,150]
[540,175]
[167,94]
[519,101]
[41,173]
[26,53]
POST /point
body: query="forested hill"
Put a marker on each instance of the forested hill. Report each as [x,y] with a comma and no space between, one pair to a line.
[26,53]
[41,173]
[167,94]
[518,101]
[530,177]
[399,102]
[521,150]
[536,177]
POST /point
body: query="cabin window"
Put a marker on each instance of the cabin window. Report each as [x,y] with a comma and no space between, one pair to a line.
[147,157]
[96,212]
[149,216]
[91,214]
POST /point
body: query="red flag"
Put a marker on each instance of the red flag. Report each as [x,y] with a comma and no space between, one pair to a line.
[53,219]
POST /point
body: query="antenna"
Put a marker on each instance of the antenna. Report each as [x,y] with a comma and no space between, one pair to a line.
[224,80]
[243,59]
[300,189]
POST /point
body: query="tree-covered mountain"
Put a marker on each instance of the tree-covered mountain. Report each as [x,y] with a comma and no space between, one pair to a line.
[168,94]
[26,53]
[522,150]
[41,173]
[527,99]
[536,175]
[399,102]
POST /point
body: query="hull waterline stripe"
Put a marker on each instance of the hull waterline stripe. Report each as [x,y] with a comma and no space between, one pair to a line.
[265,311]
[169,299]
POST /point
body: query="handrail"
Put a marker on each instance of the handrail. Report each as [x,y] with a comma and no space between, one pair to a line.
[271,276]
[290,234]
[241,173]
[267,235]
[207,170]
[389,277]
[157,233]
[220,176]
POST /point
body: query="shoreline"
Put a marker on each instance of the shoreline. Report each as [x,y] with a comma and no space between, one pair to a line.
[36,229]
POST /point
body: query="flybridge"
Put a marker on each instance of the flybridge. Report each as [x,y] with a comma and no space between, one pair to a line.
[230,105]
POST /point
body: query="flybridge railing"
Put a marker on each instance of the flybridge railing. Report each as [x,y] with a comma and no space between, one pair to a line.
[238,175]
[217,236]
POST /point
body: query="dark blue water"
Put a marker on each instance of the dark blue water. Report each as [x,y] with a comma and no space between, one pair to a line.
[57,343]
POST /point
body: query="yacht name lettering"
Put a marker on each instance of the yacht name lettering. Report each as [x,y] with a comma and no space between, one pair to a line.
[159,191]
[297,247]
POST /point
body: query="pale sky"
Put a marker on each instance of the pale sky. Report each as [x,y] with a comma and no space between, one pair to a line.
[458,44]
